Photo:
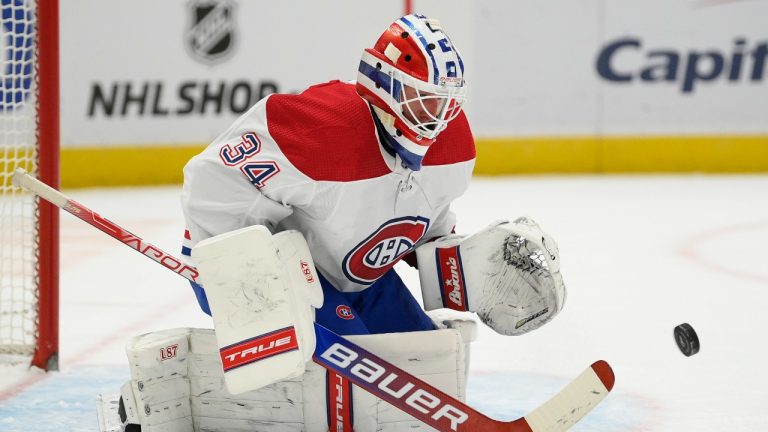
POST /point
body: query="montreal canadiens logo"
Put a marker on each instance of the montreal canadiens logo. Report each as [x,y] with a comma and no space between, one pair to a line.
[344,312]
[375,255]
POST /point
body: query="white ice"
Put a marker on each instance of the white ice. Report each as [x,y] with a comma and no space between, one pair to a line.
[640,255]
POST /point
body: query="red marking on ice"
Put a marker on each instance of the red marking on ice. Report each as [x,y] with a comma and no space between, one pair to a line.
[22,385]
[116,337]
[689,250]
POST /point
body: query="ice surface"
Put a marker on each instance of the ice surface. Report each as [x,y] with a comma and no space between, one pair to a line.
[640,254]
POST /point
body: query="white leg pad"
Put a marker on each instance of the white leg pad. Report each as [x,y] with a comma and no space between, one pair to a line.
[169,397]
[159,384]
[159,407]
[159,356]
[466,325]
[132,415]
[439,361]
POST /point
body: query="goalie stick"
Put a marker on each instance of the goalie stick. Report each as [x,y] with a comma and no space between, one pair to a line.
[373,374]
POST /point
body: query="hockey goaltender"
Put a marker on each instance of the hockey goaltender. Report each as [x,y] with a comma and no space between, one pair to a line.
[296,216]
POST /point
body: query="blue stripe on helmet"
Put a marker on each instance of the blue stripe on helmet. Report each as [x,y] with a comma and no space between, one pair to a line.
[424,44]
[396,89]
[382,79]
[374,74]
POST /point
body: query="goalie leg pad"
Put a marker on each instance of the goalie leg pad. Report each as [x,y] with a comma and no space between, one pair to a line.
[297,404]
[467,328]
[158,395]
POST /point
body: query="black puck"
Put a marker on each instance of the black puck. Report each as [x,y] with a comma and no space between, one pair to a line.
[686,339]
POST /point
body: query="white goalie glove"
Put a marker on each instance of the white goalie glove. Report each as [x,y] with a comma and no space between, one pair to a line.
[508,273]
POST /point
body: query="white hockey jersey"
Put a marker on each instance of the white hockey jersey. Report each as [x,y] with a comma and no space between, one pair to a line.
[313,162]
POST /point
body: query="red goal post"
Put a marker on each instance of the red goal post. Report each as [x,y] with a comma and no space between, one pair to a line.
[29,138]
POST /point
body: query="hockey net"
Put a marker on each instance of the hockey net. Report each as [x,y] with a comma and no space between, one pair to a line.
[28,139]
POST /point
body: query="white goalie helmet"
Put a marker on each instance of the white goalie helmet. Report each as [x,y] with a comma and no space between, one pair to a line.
[414,77]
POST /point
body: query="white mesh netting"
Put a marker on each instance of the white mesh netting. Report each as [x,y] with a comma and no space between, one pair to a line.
[18,227]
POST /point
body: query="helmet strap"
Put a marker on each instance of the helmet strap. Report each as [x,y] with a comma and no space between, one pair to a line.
[387,119]
[389,137]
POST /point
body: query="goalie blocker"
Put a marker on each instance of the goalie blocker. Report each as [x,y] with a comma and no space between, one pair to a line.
[509,273]
[263,290]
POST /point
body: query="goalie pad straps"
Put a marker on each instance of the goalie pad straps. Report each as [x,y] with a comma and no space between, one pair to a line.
[509,273]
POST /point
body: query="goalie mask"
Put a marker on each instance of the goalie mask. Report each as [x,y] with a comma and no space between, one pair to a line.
[414,78]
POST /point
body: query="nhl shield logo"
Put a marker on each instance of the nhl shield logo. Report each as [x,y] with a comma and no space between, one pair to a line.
[211,33]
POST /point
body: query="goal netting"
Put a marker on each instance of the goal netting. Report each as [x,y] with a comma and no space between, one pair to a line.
[28,139]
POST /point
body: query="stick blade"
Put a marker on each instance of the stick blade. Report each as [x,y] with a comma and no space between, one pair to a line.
[575,401]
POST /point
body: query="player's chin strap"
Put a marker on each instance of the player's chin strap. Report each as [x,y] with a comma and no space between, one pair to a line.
[509,273]
[401,139]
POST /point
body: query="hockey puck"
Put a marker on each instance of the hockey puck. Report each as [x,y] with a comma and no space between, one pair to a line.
[686,339]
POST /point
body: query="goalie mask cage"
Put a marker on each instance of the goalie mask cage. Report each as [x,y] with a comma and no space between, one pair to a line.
[29,138]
